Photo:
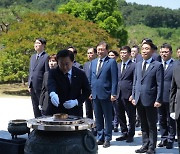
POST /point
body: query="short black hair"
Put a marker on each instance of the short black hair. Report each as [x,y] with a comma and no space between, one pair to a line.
[154,47]
[74,49]
[177,48]
[127,48]
[42,40]
[94,49]
[136,46]
[166,45]
[53,56]
[103,43]
[65,53]
[146,40]
[114,52]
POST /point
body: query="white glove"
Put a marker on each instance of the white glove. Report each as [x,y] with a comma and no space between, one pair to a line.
[40,107]
[70,104]
[54,99]
[172,115]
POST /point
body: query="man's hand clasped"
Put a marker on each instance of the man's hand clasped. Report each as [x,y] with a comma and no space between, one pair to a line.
[157,104]
[54,99]
[70,104]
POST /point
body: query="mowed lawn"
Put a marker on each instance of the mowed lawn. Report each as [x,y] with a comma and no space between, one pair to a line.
[13,89]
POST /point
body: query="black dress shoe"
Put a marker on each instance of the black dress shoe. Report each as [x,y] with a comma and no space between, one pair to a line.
[122,138]
[141,150]
[106,144]
[162,143]
[115,129]
[99,142]
[169,145]
[150,151]
[129,139]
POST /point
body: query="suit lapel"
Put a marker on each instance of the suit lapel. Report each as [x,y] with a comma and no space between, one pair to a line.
[106,60]
[126,70]
[151,66]
[39,60]
[168,68]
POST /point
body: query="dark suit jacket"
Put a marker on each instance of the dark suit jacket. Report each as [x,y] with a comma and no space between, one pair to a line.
[156,57]
[105,83]
[78,89]
[86,68]
[44,97]
[139,57]
[149,87]
[125,80]
[77,65]
[175,91]
[36,70]
[167,82]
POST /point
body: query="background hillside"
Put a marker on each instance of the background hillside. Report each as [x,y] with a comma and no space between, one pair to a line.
[23,20]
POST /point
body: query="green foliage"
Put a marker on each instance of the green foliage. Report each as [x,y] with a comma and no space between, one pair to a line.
[158,35]
[60,31]
[150,16]
[102,12]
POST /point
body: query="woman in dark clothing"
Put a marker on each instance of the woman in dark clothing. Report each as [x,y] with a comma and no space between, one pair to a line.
[45,102]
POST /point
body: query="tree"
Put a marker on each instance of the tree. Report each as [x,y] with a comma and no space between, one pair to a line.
[149,15]
[60,31]
[102,12]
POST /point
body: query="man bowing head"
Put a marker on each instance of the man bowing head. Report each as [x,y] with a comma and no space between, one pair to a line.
[68,86]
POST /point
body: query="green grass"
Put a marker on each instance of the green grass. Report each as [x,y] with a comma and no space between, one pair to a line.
[15,89]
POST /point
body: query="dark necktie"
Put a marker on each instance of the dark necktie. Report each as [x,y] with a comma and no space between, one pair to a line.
[99,66]
[124,67]
[67,78]
[144,68]
[37,58]
[165,65]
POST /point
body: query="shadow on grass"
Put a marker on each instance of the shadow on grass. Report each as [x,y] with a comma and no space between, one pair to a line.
[17,93]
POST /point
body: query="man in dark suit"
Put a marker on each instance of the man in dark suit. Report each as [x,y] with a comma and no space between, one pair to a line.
[125,82]
[103,79]
[175,96]
[91,54]
[135,55]
[147,96]
[166,123]
[68,86]
[155,55]
[75,63]
[38,65]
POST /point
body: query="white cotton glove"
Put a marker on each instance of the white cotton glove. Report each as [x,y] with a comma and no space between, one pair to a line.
[54,99]
[40,107]
[172,115]
[70,104]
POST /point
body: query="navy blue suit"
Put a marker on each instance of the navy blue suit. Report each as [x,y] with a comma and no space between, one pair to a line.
[125,83]
[77,65]
[138,58]
[147,90]
[36,74]
[103,85]
[88,102]
[167,124]
[78,89]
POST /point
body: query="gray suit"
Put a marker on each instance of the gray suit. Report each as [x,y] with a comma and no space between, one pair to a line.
[147,90]
[36,73]
[167,124]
